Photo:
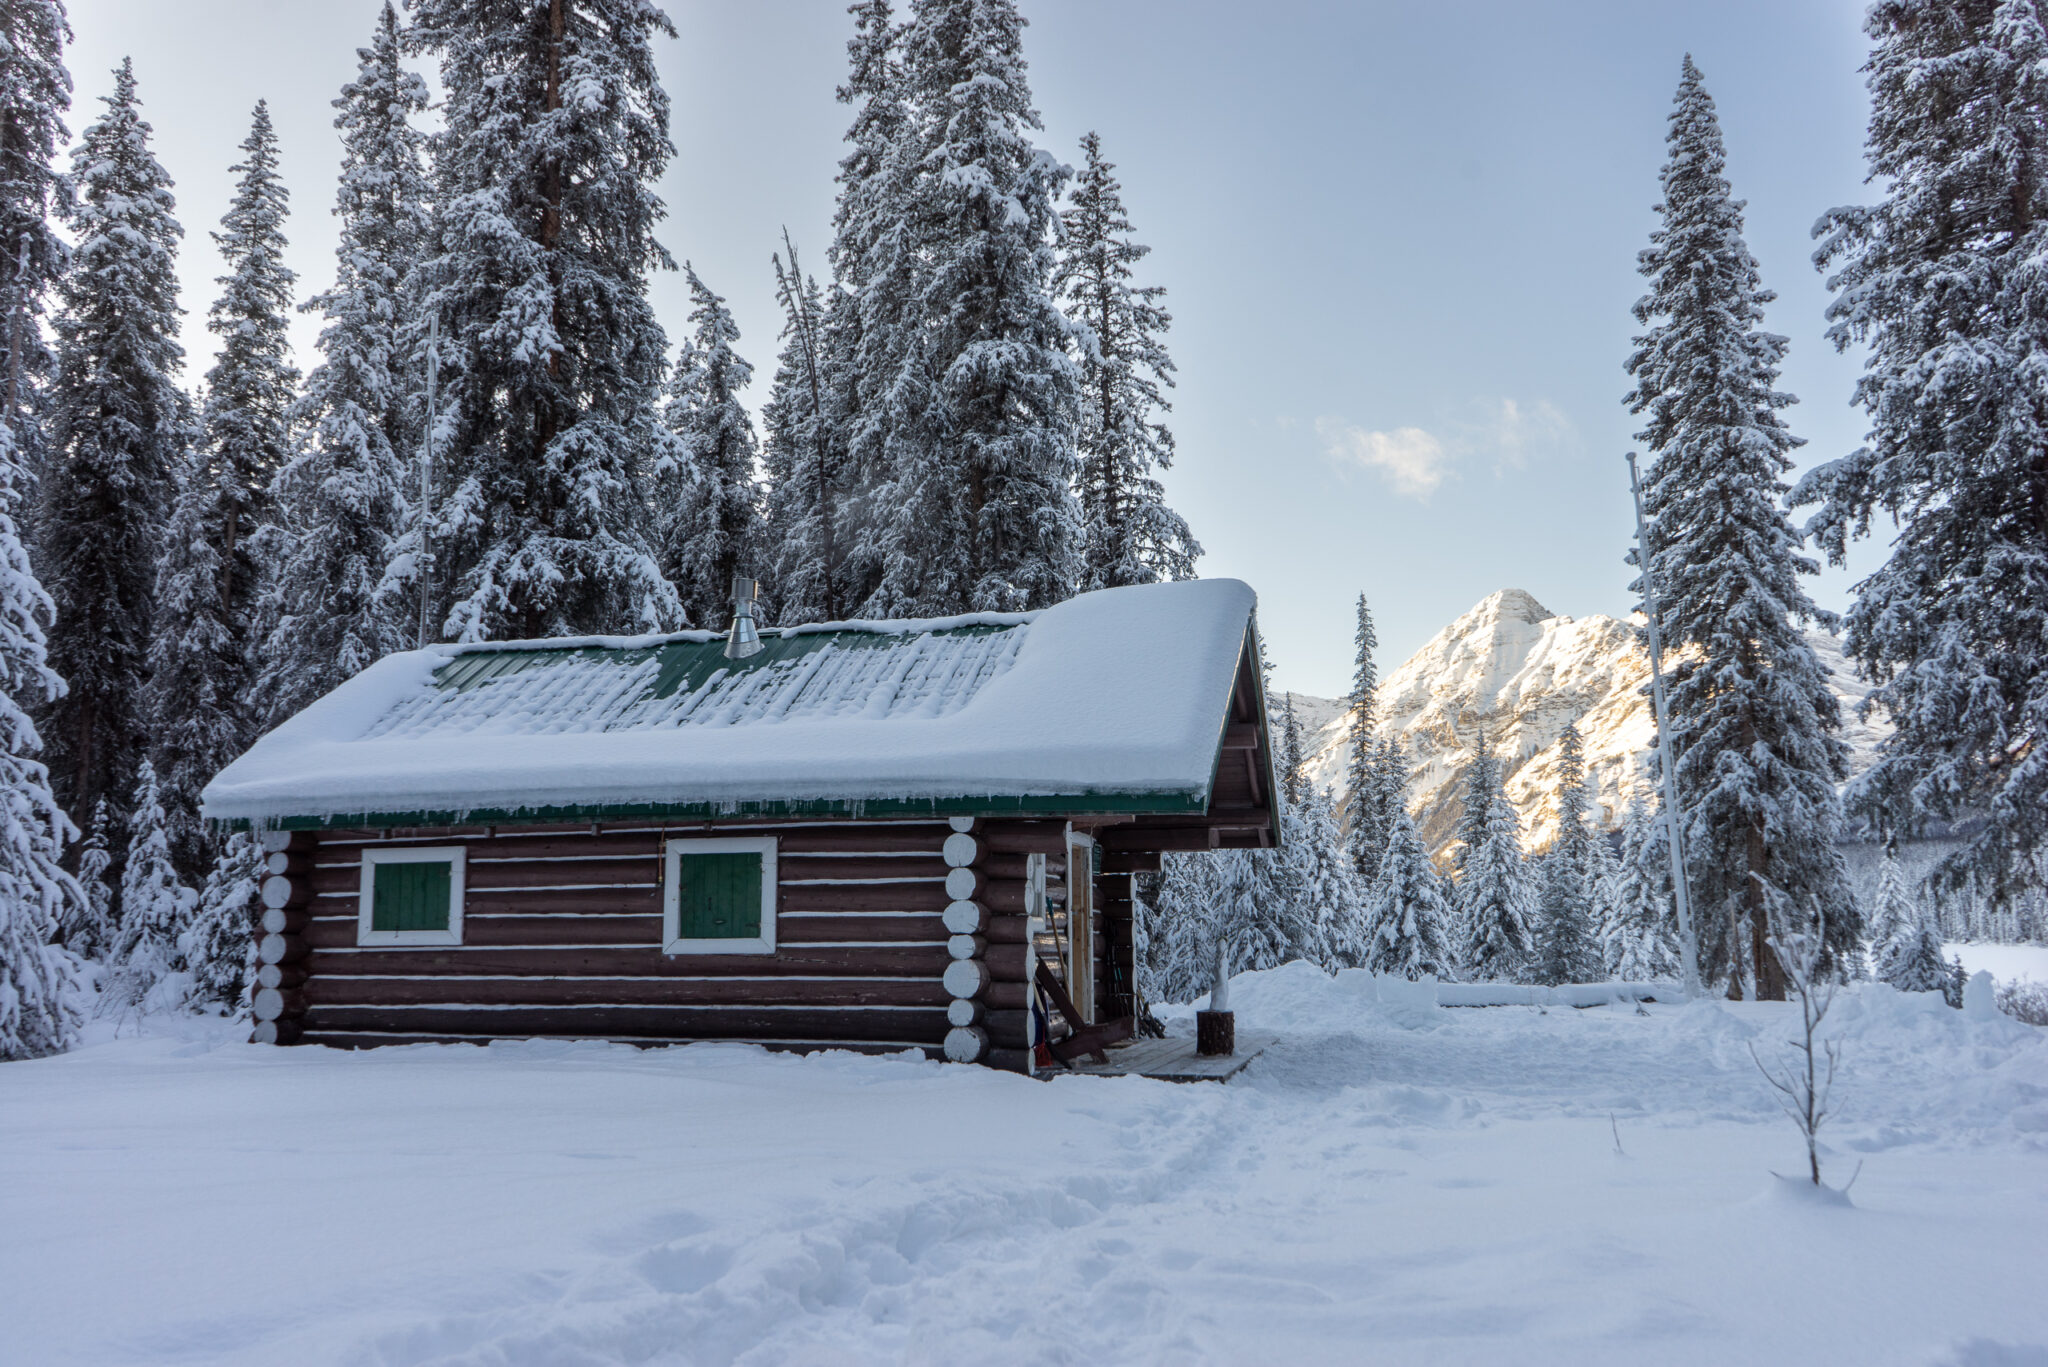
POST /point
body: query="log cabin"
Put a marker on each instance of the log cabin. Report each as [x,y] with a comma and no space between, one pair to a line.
[876,835]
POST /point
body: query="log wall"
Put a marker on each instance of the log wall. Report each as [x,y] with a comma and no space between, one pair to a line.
[562,936]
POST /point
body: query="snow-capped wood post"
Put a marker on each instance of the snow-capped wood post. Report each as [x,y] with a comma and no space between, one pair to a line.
[278,1002]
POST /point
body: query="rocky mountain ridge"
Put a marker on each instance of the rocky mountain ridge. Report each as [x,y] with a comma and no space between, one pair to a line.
[1520,673]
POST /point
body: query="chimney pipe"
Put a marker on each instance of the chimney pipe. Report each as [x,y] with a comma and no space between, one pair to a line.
[743,639]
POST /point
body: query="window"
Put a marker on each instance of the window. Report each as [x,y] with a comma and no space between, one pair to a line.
[411,897]
[719,897]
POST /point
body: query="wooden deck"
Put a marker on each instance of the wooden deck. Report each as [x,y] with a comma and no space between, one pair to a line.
[1172,1059]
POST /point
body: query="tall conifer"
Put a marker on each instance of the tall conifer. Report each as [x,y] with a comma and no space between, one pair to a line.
[340,500]
[555,132]
[1753,720]
[117,425]
[1942,280]
[1132,537]
[1366,808]
[1495,903]
[803,518]
[709,502]
[1567,944]
[201,660]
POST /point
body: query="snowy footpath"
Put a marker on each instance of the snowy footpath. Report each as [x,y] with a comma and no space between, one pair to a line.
[1393,1183]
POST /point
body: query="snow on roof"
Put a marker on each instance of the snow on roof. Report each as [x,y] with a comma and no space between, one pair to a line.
[1118,694]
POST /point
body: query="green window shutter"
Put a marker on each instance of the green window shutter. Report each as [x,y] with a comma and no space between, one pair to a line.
[410,896]
[718,896]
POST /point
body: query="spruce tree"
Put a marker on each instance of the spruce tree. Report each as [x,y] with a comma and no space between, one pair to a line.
[1753,720]
[146,971]
[1893,907]
[975,510]
[218,943]
[339,501]
[1328,884]
[804,461]
[1495,903]
[1367,814]
[1567,947]
[709,501]
[1941,280]
[555,131]
[88,930]
[35,92]
[201,662]
[117,424]
[1292,781]
[1131,536]
[1411,927]
[1911,960]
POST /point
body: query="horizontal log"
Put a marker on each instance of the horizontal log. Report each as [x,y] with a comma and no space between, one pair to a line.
[1008,930]
[637,874]
[1010,898]
[841,928]
[1188,839]
[519,930]
[854,839]
[1008,996]
[1010,1061]
[283,920]
[1011,1029]
[274,1003]
[908,1025]
[929,897]
[1025,837]
[1009,963]
[285,975]
[646,960]
[1129,861]
[1017,866]
[643,839]
[286,1030]
[897,869]
[446,991]
[642,901]
[281,949]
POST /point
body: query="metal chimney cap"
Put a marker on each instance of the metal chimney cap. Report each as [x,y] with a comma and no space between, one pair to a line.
[743,638]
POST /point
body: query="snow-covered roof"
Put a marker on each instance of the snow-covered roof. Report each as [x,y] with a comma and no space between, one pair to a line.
[1115,700]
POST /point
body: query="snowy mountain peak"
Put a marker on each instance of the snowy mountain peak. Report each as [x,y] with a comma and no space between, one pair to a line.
[1511,668]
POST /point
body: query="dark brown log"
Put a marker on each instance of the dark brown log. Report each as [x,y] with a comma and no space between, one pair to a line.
[864,897]
[282,863]
[839,929]
[1010,1061]
[286,1030]
[796,868]
[1010,963]
[283,920]
[1024,837]
[1007,996]
[1009,1029]
[626,901]
[1153,839]
[1008,930]
[467,961]
[1130,861]
[284,975]
[564,873]
[1015,867]
[340,933]
[862,839]
[328,990]
[909,1025]
[1008,898]
[568,845]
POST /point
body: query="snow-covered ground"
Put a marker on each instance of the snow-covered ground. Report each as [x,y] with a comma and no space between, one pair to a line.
[2003,962]
[1392,1183]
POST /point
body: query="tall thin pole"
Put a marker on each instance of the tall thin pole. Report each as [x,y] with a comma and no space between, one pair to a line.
[1688,948]
[427,486]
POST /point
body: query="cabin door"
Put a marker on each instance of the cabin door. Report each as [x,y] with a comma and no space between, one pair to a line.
[1080,964]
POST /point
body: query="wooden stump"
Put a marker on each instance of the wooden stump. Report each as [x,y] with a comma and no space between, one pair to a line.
[1215,1033]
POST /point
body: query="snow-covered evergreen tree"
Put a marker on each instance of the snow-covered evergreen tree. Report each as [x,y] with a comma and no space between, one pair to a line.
[88,928]
[1293,782]
[1567,878]
[1753,721]
[35,92]
[1131,536]
[1893,907]
[803,457]
[709,503]
[977,427]
[1367,815]
[218,943]
[1911,959]
[117,423]
[38,977]
[1495,902]
[146,971]
[1941,279]
[201,663]
[1411,925]
[555,132]
[339,501]
[1332,902]
[1639,938]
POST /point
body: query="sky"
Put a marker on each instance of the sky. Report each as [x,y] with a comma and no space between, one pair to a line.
[1398,242]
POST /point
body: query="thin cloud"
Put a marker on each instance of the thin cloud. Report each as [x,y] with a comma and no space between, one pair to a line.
[1513,430]
[1414,461]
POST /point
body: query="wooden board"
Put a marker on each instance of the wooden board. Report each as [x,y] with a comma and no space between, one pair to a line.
[1172,1059]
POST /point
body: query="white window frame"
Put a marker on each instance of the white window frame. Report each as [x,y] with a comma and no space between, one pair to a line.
[672,902]
[455,856]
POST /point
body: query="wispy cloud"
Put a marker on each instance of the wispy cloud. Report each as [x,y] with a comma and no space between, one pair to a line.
[1413,460]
